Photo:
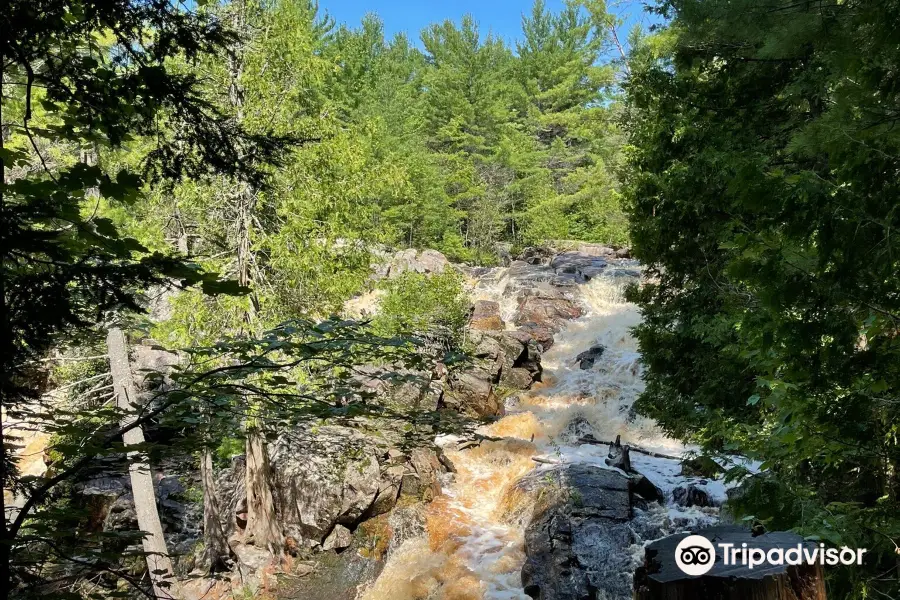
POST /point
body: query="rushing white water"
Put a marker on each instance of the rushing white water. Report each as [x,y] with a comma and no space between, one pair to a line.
[474,547]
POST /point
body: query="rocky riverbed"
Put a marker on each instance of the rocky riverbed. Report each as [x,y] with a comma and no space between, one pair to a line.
[534,504]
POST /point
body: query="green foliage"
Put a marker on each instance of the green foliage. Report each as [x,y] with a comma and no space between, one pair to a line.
[100,102]
[152,145]
[763,197]
[429,306]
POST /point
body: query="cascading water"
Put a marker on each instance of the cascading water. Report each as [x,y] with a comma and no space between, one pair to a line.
[473,547]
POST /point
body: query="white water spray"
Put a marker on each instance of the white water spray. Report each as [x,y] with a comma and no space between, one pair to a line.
[474,543]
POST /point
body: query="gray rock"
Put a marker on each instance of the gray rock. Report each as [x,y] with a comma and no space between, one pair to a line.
[541,336]
[359,488]
[536,255]
[587,358]
[319,479]
[517,378]
[576,429]
[691,495]
[411,485]
[251,557]
[583,266]
[577,541]
[339,538]
[623,273]
[471,393]
[509,359]
[410,260]
[523,275]
[647,490]
[334,476]
[428,467]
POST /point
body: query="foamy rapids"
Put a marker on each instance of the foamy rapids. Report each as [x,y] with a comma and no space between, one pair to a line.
[474,542]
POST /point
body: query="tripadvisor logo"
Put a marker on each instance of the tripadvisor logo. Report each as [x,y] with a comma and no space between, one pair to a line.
[695,555]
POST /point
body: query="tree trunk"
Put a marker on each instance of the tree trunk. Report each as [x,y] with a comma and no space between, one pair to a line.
[262,530]
[802,582]
[661,579]
[216,553]
[159,564]
[262,527]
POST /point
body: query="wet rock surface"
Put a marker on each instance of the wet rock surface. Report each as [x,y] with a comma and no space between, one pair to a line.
[577,541]
[486,316]
[328,482]
[587,358]
[692,495]
[583,266]
[549,310]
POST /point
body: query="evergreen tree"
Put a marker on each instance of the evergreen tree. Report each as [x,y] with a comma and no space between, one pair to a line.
[80,79]
[763,199]
[574,193]
[467,112]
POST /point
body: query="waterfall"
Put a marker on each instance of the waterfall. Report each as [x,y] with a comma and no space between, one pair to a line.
[474,542]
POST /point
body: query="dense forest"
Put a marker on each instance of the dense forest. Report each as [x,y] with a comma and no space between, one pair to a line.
[197,199]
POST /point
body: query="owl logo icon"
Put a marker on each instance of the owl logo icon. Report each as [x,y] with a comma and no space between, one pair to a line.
[695,555]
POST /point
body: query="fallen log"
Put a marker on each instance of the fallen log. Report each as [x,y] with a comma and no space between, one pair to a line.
[477,440]
[593,441]
[660,578]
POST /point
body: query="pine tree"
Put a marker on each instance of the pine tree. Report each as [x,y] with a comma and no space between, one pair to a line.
[569,115]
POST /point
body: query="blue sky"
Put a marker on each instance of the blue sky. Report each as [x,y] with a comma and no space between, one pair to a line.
[502,17]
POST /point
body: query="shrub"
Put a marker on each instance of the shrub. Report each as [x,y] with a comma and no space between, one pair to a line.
[434,307]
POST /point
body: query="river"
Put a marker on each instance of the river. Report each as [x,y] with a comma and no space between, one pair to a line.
[473,548]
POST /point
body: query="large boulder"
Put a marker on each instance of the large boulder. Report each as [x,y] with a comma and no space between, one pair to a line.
[471,393]
[486,316]
[692,494]
[583,266]
[590,356]
[546,309]
[324,478]
[578,537]
[502,362]
[402,389]
[334,476]
[339,538]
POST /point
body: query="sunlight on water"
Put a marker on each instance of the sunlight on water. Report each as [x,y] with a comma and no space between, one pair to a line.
[475,531]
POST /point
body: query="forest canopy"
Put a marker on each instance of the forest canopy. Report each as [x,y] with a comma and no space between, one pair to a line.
[218,179]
